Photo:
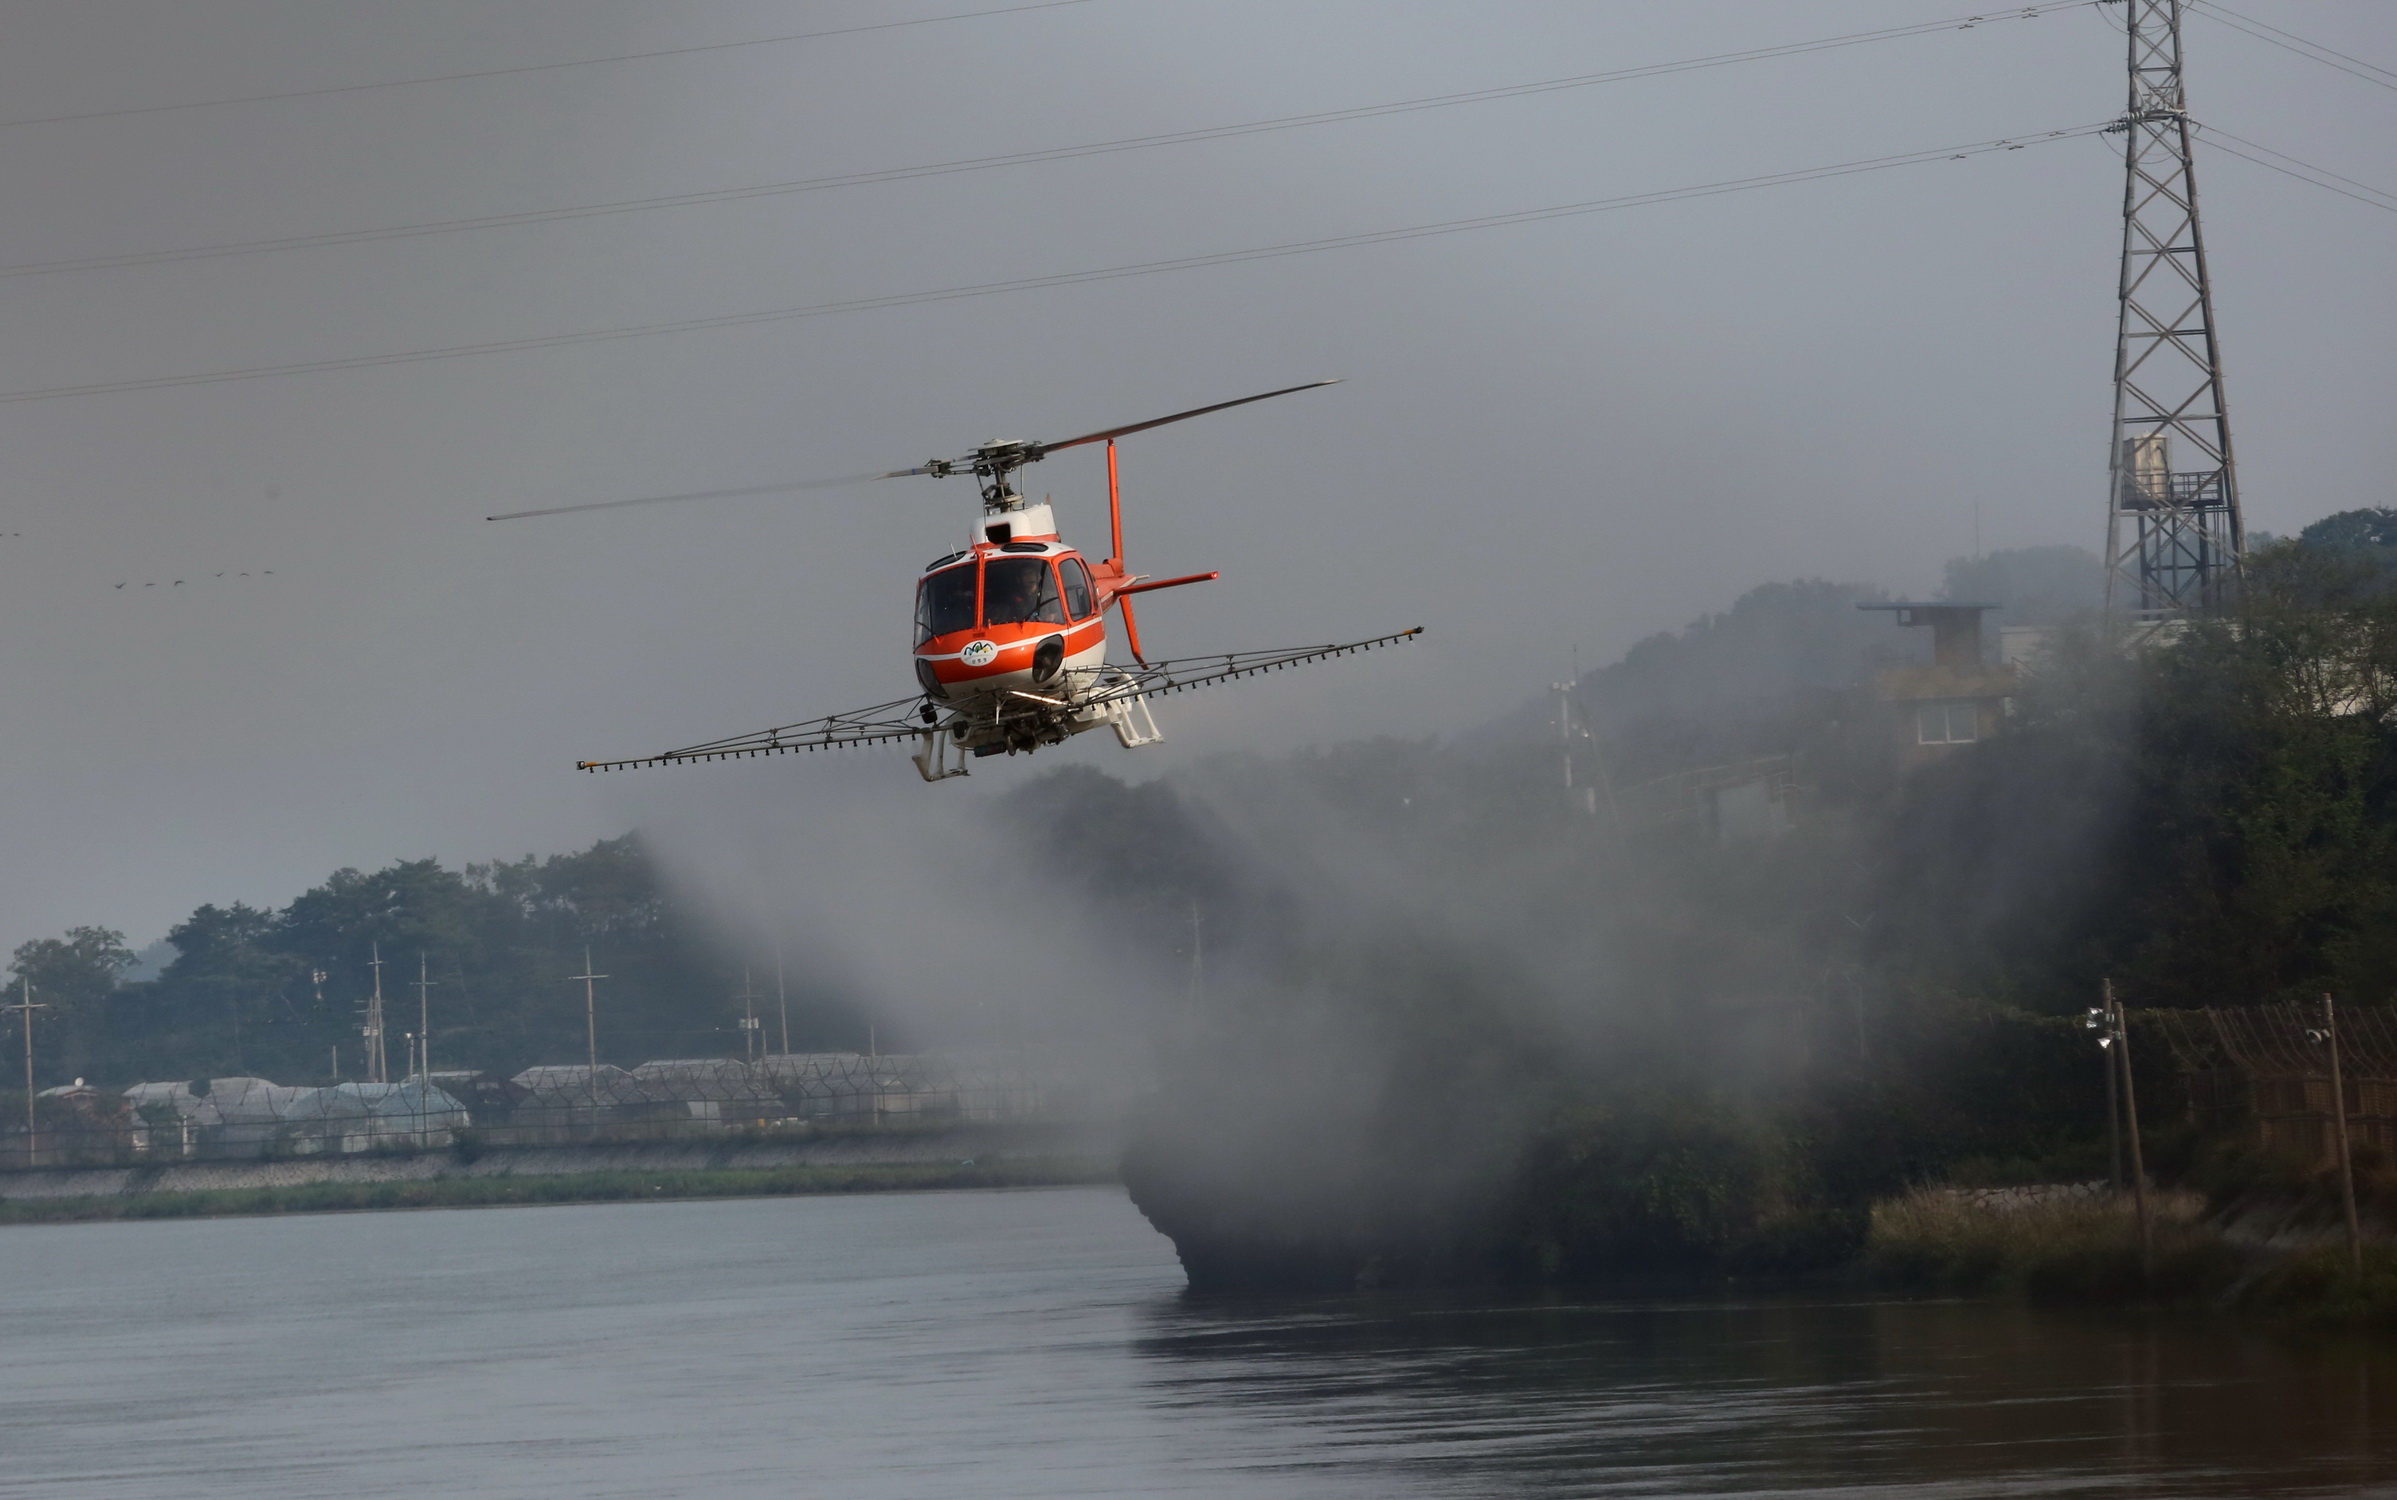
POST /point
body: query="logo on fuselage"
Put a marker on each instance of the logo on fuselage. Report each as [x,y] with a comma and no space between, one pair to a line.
[979,653]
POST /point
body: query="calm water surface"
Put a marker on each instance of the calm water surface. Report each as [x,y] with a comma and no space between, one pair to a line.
[1039,1344]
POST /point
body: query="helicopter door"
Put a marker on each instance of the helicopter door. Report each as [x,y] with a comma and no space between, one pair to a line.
[1077,587]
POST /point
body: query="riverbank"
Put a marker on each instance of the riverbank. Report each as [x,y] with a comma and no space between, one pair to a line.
[2269,1253]
[886,1160]
[518,1190]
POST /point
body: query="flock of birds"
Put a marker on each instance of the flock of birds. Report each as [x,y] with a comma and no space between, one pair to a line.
[179,582]
[172,583]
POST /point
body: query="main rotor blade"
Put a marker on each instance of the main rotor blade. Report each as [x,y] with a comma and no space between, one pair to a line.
[1180,416]
[1031,451]
[755,489]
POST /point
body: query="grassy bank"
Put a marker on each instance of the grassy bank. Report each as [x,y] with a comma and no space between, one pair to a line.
[2086,1250]
[563,1187]
[2055,1249]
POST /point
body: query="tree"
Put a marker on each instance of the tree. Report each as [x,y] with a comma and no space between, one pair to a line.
[76,976]
[229,996]
[2365,539]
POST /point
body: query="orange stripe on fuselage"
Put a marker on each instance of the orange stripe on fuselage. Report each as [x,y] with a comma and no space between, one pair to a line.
[1016,643]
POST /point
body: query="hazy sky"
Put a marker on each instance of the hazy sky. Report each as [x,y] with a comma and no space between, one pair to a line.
[1557,435]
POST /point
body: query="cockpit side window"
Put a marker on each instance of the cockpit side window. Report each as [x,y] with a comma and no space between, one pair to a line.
[1020,591]
[945,603]
[1077,587]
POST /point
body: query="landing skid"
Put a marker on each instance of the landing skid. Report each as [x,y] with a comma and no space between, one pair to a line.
[940,757]
[1132,722]
[943,755]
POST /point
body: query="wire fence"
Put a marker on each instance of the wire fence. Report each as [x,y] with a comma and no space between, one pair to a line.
[231,1119]
[2264,1071]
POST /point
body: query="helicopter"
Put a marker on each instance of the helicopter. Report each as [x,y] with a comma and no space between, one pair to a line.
[1011,638]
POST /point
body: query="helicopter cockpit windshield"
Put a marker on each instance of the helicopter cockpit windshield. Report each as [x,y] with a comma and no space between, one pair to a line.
[945,603]
[1020,591]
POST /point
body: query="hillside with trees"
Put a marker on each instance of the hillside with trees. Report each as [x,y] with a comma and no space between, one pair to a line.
[1457,1021]
[275,992]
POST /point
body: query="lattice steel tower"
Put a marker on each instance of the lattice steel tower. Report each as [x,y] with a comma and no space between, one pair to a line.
[2173,532]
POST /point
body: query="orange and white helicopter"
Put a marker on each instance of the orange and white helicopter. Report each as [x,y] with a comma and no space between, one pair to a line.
[1011,634]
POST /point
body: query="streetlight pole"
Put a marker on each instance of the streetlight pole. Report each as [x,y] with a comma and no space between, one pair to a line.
[2130,1115]
[2112,1021]
[2113,1120]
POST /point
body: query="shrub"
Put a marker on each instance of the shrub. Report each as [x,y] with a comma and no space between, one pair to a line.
[2077,1247]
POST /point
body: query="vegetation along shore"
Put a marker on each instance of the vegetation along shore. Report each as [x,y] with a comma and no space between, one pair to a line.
[607,1186]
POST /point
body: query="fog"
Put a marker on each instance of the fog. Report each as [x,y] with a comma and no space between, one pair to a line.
[921,913]
[1552,436]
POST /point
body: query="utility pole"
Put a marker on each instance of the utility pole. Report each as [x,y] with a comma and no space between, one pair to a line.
[748,999]
[2113,1121]
[2174,536]
[25,1007]
[1572,733]
[1564,731]
[589,976]
[2338,1115]
[782,1001]
[2110,1019]
[378,1062]
[2130,1113]
[424,1018]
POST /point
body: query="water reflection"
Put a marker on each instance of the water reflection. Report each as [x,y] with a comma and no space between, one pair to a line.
[1035,1346]
[1787,1395]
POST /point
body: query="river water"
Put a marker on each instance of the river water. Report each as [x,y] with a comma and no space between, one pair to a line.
[1040,1344]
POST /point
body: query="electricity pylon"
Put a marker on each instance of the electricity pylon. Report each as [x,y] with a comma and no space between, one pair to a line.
[2173,531]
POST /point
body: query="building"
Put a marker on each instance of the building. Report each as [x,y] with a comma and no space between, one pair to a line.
[1961,698]
[716,1090]
[237,1116]
[75,1125]
[352,1117]
[575,1102]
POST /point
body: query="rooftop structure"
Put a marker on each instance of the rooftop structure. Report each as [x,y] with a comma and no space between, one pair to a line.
[1960,699]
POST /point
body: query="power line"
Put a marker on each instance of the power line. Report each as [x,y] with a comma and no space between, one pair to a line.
[2294,160]
[588,62]
[2290,41]
[2298,168]
[1073,278]
[1025,158]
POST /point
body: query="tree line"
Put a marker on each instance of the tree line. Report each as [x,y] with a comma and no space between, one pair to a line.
[283,993]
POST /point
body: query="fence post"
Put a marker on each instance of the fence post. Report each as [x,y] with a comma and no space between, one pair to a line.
[2338,1114]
